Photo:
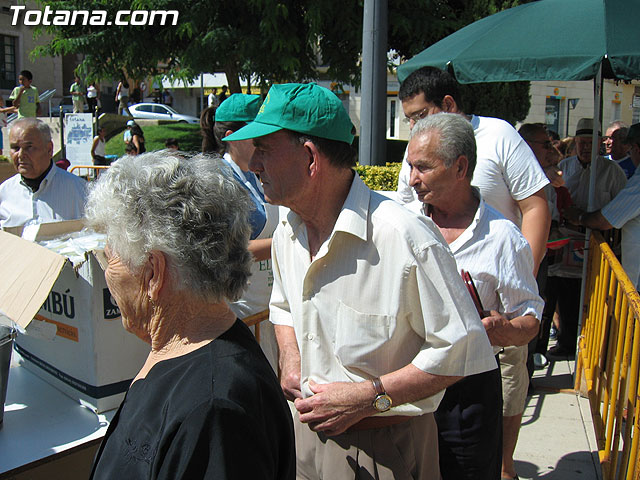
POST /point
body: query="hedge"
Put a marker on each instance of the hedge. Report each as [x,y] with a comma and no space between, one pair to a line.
[377,177]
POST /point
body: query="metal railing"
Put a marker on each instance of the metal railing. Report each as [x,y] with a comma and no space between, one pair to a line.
[608,361]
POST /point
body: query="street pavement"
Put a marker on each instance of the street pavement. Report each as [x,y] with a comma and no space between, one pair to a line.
[557,440]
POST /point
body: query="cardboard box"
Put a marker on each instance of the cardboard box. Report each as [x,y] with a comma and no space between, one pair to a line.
[74,338]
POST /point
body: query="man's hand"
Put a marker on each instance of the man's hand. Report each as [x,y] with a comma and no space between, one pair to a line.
[290,383]
[289,362]
[505,333]
[554,174]
[334,407]
[572,214]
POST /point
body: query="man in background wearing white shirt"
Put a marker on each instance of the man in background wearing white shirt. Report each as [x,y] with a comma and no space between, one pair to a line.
[40,192]
[372,319]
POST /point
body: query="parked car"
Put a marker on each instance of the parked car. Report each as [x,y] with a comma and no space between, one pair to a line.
[67,107]
[157,111]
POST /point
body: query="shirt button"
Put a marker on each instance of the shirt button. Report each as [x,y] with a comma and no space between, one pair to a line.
[310,336]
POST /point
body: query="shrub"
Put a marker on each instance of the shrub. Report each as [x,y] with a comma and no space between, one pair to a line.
[377,177]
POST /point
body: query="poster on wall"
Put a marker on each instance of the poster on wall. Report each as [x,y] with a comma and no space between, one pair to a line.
[78,138]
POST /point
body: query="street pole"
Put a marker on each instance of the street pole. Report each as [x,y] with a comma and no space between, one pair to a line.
[373,106]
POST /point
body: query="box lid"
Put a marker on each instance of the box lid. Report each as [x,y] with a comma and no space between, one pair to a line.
[28,273]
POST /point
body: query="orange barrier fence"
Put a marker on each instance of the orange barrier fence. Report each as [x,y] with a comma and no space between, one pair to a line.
[608,361]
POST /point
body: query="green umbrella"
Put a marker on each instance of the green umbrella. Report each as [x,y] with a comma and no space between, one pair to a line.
[543,40]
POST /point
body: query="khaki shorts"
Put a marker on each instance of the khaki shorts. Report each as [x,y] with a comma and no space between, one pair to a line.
[515,380]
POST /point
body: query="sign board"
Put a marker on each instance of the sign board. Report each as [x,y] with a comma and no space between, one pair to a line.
[78,138]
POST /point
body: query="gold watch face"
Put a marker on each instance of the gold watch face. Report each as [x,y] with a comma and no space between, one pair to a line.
[382,403]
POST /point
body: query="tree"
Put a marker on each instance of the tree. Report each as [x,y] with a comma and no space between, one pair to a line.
[276,40]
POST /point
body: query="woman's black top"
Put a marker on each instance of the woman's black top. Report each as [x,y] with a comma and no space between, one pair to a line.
[217,412]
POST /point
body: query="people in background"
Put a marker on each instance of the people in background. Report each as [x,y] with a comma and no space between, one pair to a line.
[38,193]
[617,149]
[98,148]
[93,93]
[565,274]
[622,212]
[77,95]
[205,398]
[171,144]
[122,97]
[25,97]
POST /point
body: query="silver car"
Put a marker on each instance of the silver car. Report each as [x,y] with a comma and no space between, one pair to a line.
[157,111]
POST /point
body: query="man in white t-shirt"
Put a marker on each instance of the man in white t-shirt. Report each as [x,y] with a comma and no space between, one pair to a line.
[507,175]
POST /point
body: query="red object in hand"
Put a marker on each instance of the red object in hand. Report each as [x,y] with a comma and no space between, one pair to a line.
[471,287]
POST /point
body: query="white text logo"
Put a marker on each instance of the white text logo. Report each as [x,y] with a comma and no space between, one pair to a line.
[93,17]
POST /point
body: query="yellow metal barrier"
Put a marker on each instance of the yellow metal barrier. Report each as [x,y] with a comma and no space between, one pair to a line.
[608,360]
[92,170]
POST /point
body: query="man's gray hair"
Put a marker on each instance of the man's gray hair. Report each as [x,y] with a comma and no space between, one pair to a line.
[456,137]
[30,122]
[190,209]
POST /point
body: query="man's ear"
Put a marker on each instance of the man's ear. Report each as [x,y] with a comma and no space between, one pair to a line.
[313,157]
[461,166]
[449,105]
[155,273]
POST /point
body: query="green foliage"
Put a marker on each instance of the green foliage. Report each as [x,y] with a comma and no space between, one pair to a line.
[507,100]
[377,177]
[3,158]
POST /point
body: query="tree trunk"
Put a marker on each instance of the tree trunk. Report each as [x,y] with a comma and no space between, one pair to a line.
[233,78]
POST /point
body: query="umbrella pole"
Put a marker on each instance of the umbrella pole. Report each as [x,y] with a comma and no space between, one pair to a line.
[595,151]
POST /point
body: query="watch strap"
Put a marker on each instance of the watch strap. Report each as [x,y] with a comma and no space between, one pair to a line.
[377,386]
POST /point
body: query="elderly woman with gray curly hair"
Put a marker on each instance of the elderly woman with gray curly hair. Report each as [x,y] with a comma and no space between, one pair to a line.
[205,404]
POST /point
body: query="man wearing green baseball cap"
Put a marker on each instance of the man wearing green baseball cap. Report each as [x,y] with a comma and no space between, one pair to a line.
[372,319]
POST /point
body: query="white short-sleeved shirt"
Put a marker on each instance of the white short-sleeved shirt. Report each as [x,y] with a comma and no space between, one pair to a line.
[382,292]
[500,261]
[609,181]
[256,297]
[61,196]
[506,170]
[624,212]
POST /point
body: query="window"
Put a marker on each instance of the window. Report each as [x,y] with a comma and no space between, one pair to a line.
[145,108]
[160,109]
[8,74]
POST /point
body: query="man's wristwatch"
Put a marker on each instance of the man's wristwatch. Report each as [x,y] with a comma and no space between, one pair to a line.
[382,402]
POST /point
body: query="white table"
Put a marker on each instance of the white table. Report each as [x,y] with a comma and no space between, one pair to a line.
[42,425]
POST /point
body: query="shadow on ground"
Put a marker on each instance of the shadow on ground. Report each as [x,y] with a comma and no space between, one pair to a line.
[569,467]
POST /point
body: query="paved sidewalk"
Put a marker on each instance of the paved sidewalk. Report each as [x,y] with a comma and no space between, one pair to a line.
[557,440]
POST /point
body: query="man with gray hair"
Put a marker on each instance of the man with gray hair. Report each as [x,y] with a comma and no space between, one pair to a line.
[40,192]
[442,157]
[371,316]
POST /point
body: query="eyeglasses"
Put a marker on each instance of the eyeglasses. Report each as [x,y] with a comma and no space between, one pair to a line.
[416,116]
[545,143]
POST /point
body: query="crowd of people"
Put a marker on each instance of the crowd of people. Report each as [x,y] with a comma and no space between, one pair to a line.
[403,331]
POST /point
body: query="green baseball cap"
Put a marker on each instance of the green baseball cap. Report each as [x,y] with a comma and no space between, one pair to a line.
[238,108]
[303,108]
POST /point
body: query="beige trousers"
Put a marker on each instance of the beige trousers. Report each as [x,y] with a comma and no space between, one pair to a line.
[406,451]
